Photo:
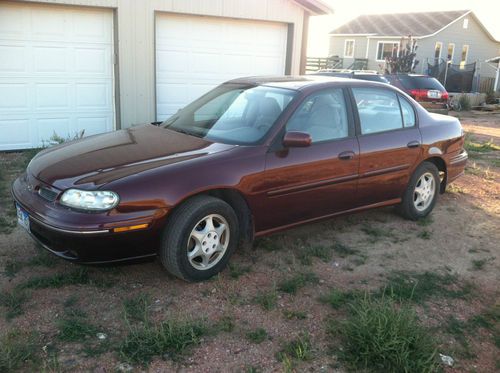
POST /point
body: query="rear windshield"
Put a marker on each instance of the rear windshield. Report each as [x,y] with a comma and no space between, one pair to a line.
[334,74]
[421,82]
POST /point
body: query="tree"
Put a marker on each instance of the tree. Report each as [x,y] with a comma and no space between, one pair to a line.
[402,58]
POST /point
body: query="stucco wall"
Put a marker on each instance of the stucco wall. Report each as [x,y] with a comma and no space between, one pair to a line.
[135,27]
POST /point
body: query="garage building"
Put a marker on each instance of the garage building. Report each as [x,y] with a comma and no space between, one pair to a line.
[101,65]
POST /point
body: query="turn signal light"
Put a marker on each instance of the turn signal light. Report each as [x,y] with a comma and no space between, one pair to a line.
[130,228]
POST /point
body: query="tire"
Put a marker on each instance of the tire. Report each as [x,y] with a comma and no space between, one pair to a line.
[191,248]
[413,209]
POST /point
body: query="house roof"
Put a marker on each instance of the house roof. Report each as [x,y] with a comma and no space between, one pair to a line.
[400,24]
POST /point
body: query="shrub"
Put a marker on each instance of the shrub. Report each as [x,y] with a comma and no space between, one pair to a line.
[464,102]
[170,338]
[383,336]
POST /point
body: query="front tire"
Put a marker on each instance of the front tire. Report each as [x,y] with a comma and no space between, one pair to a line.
[199,238]
[421,194]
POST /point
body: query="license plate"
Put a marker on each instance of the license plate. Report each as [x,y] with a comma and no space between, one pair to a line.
[23,219]
[433,94]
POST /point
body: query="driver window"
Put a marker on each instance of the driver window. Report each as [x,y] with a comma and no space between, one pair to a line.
[322,115]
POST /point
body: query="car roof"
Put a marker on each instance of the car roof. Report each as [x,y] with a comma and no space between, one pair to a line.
[297,82]
[414,75]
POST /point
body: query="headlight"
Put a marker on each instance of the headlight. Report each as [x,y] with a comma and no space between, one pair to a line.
[89,200]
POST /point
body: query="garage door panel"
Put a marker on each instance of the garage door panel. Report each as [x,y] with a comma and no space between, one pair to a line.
[13,22]
[48,126]
[19,133]
[172,93]
[199,53]
[52,96]
[13,58]
[50,59]
[48,25]
[264,64]
[93,95]
[92,26]
[93,125]
[13,97]
[55,73]
[176,61]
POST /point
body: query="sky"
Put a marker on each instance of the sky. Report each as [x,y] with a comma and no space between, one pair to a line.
[488,11]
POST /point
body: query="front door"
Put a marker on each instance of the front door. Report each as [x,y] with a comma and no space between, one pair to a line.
[305,183]
[389,141]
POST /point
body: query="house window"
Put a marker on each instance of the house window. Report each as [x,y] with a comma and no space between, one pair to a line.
[466,23]
[437,50]
[349,49]
[463,57]
[451,51]
[386,49]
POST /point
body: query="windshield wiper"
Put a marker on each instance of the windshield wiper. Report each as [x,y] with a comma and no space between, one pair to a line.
[181,130]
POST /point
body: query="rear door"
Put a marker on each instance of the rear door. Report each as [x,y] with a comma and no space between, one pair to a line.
[306,183]
[389,141]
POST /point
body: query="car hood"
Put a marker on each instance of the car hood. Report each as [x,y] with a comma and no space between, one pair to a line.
[97,160]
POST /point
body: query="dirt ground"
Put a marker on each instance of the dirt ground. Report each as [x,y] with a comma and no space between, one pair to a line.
[462,238]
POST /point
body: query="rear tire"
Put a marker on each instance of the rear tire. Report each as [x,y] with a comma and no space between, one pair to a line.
[421,193]
[199,238]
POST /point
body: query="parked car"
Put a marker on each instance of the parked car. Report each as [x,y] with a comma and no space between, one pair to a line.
[422,88]
[372,76]
[251,157]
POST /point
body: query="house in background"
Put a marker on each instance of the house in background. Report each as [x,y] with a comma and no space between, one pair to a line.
[455,36]
[101,65]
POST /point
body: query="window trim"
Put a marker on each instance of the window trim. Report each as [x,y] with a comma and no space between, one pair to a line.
[400,97]
[440,43]
[452,52]
[357,121]
[353,46]
[385,42]
[465,24]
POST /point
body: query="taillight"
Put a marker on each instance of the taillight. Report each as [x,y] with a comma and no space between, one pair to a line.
[445,95]
[419,94]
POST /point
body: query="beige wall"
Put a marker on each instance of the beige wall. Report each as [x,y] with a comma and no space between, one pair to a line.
[135,25]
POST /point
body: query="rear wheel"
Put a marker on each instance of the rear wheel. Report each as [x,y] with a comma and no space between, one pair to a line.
[199,238]
[422,191]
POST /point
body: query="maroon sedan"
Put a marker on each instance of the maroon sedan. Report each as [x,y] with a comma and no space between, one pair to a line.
[249,158]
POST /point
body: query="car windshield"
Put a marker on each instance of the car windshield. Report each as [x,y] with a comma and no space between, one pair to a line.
[232,114]
[421,82]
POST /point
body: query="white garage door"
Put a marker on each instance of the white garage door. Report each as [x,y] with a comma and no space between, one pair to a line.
[195,54]
[56,73]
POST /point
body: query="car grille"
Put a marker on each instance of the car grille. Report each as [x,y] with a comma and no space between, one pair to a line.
[47,194]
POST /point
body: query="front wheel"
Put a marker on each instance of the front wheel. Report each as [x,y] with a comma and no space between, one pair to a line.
[422,191]
[199,238]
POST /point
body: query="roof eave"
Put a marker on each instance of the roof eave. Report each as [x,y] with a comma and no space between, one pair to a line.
[314,7]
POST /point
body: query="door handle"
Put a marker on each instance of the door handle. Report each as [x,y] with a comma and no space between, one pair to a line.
[345,156]
[413,144]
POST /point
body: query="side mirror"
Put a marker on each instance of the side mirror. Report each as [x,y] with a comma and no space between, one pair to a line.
[297,140]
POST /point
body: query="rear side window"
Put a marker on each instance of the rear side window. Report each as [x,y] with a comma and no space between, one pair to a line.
[378,110]
[421,82]
[407,112]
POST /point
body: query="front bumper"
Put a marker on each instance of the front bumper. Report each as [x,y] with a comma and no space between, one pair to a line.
[87,237]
